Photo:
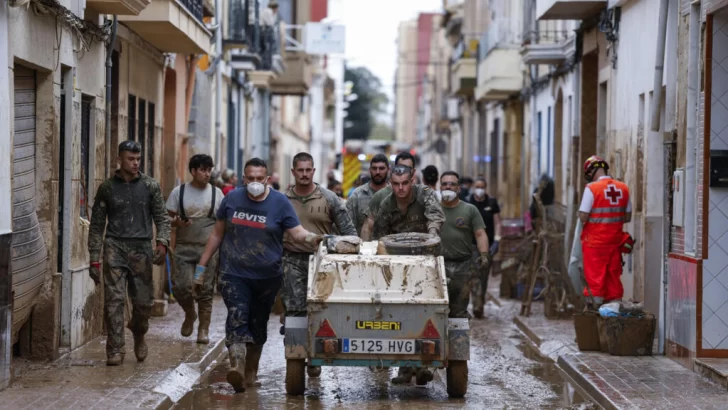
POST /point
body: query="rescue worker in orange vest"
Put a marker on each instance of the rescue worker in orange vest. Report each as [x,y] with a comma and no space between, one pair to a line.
[605,208]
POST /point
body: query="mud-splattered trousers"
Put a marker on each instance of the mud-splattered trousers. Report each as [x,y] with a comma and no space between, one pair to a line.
[127,263]
[249,302]
[479,284]
[186,257]
[459,274]
[295,283]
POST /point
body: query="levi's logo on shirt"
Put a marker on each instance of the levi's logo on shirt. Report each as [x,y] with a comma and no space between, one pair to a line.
[251,219]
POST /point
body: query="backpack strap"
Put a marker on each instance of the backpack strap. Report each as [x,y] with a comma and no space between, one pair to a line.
[181,202]
[211,214]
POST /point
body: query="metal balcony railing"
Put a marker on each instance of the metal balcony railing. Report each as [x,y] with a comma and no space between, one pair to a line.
[194,7]
[502,33]
[241,24]
[545,36]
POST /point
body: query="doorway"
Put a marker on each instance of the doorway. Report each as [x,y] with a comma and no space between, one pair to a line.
[558,171]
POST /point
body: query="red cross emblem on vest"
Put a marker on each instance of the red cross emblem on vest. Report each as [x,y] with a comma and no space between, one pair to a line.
[613,194]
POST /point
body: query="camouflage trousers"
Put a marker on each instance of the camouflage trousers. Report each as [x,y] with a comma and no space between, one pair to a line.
[186,258]
[127,267]
[479,287]
[295,284]
[249,302]
[459,275]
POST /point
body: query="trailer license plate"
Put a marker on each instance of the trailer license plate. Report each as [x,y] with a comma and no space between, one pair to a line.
[370,346]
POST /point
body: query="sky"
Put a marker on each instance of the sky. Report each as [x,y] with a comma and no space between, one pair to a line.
[371,32]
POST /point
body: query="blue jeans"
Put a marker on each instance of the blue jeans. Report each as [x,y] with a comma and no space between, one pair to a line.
[249,302]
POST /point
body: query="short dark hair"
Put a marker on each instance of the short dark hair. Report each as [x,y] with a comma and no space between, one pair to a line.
[302,157]
[332,184]
[466,180]
[255,162]
[201,161]
[379,158]
[405,155]
[130,146]
[450,173]
[429,175]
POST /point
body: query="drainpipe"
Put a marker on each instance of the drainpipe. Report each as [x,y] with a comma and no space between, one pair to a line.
[573,176]
[67,275]
[218,84]
[692,134]
[107,125]
[659,67]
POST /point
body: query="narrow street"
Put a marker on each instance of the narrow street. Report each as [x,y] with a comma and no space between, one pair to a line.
[503,374]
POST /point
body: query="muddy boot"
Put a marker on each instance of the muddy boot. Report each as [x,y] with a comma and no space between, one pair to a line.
[314,371]
[423,376]
[203,328]
[115,359]
[140,347]
[188,326]
[236,374]
[252,360]
[404,375]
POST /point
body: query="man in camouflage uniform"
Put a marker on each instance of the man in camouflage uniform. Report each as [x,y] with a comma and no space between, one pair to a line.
[358,201]
[128,201]
[407,208]
[321,212]
[463,225]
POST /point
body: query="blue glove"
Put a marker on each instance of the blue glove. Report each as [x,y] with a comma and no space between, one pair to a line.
[199,273]
[494,248]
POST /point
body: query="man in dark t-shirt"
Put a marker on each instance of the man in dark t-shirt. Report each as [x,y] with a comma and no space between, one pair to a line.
[490,211]
[249,232]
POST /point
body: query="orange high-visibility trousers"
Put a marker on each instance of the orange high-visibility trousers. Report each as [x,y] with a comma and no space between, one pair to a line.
[602,271]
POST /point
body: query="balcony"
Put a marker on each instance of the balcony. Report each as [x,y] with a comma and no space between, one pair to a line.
[547,47]
[172,26]
[463,69]
[120,7]
[499,68]
[568,9]
[252,44]
[297,74]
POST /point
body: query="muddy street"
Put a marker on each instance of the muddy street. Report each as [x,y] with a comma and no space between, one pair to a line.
[504,373]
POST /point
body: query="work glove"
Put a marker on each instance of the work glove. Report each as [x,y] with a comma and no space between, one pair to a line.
[494,248]
[199,275]
[484,261]
[160,253]
[95,272]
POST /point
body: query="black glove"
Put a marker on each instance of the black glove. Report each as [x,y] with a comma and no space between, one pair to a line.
[494,248]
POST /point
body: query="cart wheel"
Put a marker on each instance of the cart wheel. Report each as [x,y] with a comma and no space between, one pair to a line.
[295,376]
[457,378]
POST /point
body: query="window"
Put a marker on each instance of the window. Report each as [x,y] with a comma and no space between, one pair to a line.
[150,139]
[142,124]
[86,116]
[131,130]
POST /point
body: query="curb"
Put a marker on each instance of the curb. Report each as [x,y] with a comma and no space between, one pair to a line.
[579,379]
[181,379]
[523,327]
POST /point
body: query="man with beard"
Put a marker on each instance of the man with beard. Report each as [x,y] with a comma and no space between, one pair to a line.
[358,201]
[321,212]
[192,207]
[123,211]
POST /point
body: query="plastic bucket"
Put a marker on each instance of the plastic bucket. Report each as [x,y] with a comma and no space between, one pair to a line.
[587,333]
[629,336]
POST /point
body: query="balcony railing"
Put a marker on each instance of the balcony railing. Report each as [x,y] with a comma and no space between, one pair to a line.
[545,36]
[194,7]
[246,31]
[502,33]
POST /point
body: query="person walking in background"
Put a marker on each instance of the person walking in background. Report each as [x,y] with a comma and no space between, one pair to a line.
[229,181]
[249,232]
[121,221]
[490,212]
[335,187]
[274,181]
[465,185]
[429,177]
[358,201]
[192,207]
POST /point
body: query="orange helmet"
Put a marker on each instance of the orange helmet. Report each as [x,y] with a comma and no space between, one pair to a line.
[592,163]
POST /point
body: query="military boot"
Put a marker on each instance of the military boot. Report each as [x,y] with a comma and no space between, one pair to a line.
[251,364]
[404,375]
[188,326]
[140,347]
[114,359]
[203,328]
[236,374]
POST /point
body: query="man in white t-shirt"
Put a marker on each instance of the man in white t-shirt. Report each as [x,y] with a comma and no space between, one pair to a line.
[192,207]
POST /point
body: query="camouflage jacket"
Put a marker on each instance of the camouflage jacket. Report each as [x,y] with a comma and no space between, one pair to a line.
[357,204]
[423,213]
[320,212]
[125,210]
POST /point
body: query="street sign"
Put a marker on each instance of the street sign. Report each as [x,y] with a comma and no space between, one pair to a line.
[320,38]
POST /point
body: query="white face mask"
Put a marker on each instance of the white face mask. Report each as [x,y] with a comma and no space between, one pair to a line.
[256,189]
[480,192]
[449,195]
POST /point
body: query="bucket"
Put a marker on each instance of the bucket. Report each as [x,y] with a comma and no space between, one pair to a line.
[630,336]
[587,333]
[603,340]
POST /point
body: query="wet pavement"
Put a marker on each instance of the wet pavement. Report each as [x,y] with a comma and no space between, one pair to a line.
[504,373]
